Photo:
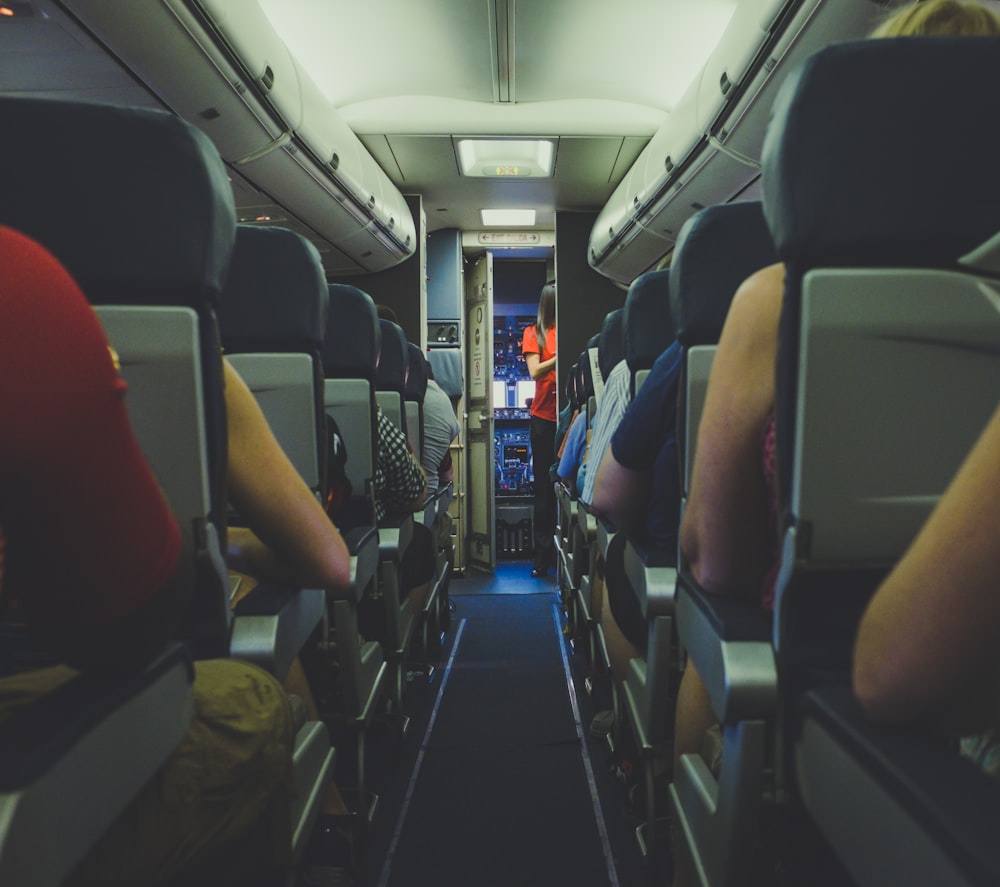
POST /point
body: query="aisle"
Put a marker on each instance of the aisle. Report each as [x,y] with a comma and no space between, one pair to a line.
[501,791]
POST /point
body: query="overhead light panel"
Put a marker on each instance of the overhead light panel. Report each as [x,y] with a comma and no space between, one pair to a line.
[508,218]
[500,158]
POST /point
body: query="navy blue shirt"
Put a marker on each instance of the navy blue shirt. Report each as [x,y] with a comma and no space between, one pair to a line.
[646,440]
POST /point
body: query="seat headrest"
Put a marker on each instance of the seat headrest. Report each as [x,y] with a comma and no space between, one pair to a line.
[585,377]
[353,335]
[883,153]
[611,345]
[447,364]
[276,295]
[593,341]
[393,362]
[717,249]
[570,391]
[648,327]
[135,203]
[416,377]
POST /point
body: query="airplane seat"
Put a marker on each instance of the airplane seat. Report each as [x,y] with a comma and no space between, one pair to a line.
[106,736]
[610,352]
[155,286]
[392,372]
[701,288]
[447,366]
[564,497]
[611,344]
[648,328]
[272,317]
[350,355]
[889,325]
[395,532]
[272,320]
[882,330]
[416,388]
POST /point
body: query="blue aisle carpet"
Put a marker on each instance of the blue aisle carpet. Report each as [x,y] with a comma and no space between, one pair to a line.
[501,796]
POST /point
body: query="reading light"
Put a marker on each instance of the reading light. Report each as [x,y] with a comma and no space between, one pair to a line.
[511,218]
[499,158]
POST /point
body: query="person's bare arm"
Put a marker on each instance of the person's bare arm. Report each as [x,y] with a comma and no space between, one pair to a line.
[620,494]
[537,367]
[928,646]
[290,538]
[724,536]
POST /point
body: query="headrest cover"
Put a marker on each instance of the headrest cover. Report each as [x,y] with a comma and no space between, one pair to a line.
[276,293]
[585,378]
[447,364]
[353,336]
[648,327]
[570,391]
[416,377]
[135,203]
[717,249]
[883,152]
[393,359]
[611,345]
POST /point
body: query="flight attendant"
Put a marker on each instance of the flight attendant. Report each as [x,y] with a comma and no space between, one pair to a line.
[539,349]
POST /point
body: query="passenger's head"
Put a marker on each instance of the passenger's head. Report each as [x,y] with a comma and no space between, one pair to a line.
[384,312]
[546,319]
[940,18]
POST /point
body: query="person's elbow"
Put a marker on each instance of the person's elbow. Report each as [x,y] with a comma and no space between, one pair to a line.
[342,574]
[876,685]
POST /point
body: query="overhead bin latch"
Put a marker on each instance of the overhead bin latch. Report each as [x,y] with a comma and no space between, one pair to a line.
[279,142]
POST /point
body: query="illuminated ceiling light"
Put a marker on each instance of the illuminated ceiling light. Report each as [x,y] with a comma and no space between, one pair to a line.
[510,218]
[517,158]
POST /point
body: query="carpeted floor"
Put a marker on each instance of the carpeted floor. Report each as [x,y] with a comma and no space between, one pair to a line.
[496,783]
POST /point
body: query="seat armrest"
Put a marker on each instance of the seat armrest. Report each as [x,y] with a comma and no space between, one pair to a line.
[729,642]
[605,532]
[362,546]
[653,576]
[273,623]
[896,804]
[586,520]
[98,739]
[394,535]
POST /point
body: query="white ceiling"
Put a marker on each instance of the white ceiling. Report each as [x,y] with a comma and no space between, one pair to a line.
[406,76]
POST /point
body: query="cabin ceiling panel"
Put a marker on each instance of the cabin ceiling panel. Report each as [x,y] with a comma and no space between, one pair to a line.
[633,50]
[587,170]
[356,51]
[498,52]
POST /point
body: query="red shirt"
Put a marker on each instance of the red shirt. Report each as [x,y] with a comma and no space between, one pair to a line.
[89,535]
[544,404]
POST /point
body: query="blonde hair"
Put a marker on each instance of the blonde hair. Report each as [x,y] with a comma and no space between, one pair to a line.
[940,18]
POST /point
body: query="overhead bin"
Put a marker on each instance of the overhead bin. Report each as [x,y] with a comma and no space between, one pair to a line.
[220,65]
[708,150]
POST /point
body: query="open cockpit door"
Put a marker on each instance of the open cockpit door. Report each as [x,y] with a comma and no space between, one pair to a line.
[479,347]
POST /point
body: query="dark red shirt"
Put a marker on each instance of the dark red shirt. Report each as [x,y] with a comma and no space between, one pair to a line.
[88,533]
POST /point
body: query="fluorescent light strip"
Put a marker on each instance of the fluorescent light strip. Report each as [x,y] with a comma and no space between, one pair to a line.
[511,218]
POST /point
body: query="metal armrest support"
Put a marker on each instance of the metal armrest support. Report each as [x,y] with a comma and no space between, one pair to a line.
[273,623]
[653,577]
[605,532]
[394,534]
[897,805]
[362,546]
[729,642]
